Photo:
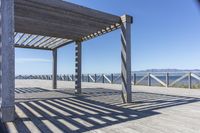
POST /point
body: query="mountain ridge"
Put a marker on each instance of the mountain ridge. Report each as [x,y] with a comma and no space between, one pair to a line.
[168,70]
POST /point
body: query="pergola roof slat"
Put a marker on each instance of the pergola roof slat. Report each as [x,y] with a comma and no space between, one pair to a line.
[58,43]
[45,41]
[42,41]
[33,26]
[70,19]
[32,39]
[50,40]
[66,7]
[25,39]
[53,42]
[38,40]
[51,24]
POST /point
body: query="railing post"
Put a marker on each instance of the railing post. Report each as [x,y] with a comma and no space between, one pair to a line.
[95,78]
[134,79]
[72,77]
[88,78]
[167,79]
[103,80]
[149,79]
[189,80]
[68,77]
[112,78]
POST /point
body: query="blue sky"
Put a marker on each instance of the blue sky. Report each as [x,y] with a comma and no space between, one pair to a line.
[165,34]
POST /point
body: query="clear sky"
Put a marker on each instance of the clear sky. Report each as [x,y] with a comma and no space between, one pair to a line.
[165,34]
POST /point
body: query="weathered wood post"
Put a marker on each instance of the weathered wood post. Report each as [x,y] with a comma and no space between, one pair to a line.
[54,75]
[149,79]
[95,78]
[134,79]
[103,79]
[88,78]
[189,80]
[72,77]
[82,78]
[126,58]
[167,79]
[7,60]
[78,50]
[112,78]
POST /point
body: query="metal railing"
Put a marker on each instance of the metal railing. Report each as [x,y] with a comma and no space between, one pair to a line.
[183,79]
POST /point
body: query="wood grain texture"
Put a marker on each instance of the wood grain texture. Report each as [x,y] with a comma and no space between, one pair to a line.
[100,109]
[61,19]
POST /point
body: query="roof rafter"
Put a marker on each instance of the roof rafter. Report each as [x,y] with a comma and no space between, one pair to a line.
[51,24]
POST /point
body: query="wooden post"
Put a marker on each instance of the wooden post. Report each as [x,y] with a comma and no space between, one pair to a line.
[95,78]
[103,79]
[189,80]
[54,79]
[149,79]
[72,77]
[82,78]
[134,78]
[7,61]
[167,79]
[126,58]
[78,68]
[88,78]
[112,78]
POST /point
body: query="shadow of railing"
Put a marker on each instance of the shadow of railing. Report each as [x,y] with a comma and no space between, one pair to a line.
[91,111]
[30,90]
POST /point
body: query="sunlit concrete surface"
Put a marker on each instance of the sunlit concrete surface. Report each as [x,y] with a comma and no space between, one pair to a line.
[39,108]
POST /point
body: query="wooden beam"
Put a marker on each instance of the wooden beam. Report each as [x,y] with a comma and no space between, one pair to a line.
[57,43]
[59,19]
[98,33]
[158,80]
[7,61]
[34,37]
[71,9]
[56,40]
[31,47]
[38,13]
[27,38]
[51,40]
[46,39]
[32,26]
[62,45]
[179,79]
[141,79]
[195,76]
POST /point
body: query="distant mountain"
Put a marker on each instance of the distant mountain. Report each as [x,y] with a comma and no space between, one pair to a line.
[168,70]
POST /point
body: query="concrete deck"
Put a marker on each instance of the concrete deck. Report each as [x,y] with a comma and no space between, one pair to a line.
[100,109]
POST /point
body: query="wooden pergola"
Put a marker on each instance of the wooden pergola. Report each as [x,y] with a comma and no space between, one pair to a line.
[49,25]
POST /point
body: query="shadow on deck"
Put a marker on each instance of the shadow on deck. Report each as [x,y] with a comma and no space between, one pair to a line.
[30,90]
[95,109]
